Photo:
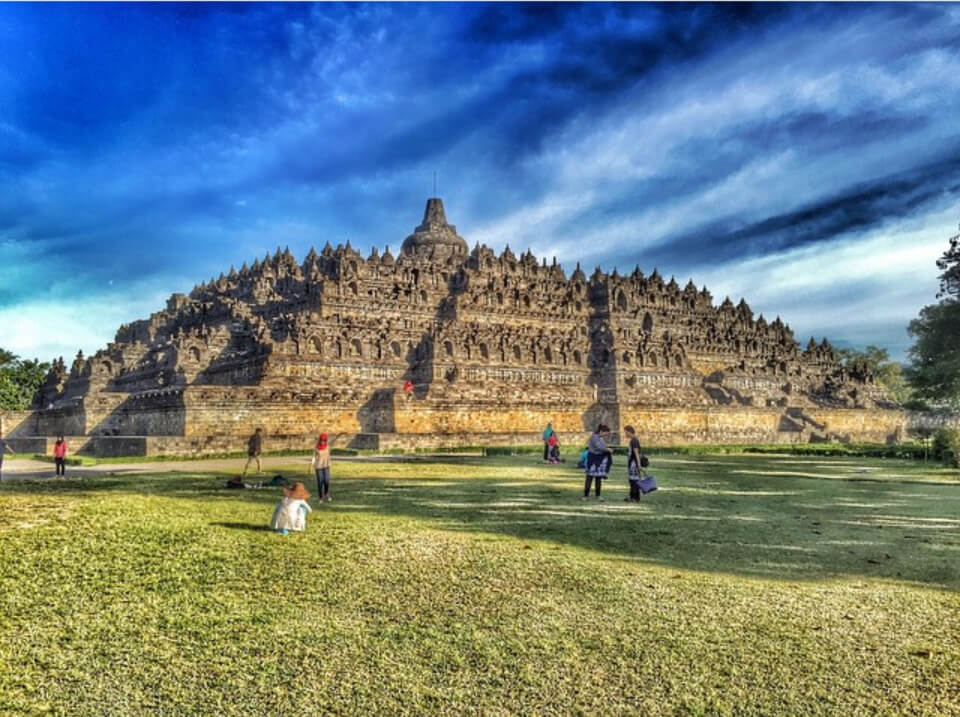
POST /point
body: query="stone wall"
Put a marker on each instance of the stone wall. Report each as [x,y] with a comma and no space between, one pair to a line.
[18,423]
[655,427]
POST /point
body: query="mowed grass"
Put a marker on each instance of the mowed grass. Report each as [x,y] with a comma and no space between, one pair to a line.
[746,585]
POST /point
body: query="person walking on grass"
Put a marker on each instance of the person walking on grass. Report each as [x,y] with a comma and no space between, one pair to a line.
[4,448]
[547,432]
[254,449]
[321,466]
[599,460]
[60,456]
[634,465]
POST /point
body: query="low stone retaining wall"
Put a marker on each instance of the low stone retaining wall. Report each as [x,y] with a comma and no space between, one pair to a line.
[655,427]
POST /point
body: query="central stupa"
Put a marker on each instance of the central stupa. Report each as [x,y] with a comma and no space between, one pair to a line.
[434,235]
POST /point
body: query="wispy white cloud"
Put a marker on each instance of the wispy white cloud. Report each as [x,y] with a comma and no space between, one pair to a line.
[50,327]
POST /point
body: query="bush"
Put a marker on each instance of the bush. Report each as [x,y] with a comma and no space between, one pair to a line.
[946,446]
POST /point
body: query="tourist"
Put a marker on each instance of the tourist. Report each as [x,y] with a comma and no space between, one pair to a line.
[291,512]
[321,466]
[254,449]
[547,432]
[599,460]
[4,448]
[634,465]
[59,456]
[582,463]
[554,443]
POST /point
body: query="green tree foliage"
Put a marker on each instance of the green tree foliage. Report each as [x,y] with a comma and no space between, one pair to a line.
[877,361]
[946,446]
[19,380]
[935,369]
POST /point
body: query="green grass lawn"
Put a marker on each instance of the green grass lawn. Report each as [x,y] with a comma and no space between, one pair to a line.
[746,585]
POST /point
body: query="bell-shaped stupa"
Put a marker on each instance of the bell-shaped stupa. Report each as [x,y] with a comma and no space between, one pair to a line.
[434,235]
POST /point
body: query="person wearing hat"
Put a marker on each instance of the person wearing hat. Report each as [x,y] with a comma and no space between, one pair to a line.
[291,513]
[321,466]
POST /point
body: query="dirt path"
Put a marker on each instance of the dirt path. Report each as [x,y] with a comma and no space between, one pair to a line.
[24,468]
[21,468]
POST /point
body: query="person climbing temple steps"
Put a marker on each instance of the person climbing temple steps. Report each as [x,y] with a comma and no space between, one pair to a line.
[599,460]
[321,466]
[254,449]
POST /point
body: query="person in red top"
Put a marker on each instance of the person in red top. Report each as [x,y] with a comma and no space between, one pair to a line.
[59,455]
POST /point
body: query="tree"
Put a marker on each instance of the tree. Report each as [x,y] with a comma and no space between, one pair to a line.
[19,380]
[876,361]
[949,264]
[935,357]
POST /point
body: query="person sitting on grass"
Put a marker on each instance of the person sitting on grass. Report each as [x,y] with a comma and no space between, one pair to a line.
[582,463]
[554,445]
[290,515]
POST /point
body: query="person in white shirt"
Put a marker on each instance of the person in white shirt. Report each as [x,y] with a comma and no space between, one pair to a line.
[290,514]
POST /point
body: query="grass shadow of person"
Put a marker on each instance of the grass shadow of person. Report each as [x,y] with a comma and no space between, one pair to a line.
[256,527]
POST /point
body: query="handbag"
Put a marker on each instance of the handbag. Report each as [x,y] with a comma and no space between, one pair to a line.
[648,485]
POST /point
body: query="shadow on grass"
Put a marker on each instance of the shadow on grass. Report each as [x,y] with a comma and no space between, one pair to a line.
[706,519]
[259,528]
[709,515]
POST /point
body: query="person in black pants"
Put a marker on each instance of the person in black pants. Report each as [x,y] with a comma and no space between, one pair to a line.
[633,464]
[599,459]
[60,456]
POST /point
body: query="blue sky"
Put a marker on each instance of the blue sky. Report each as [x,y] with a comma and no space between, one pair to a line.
[805,157]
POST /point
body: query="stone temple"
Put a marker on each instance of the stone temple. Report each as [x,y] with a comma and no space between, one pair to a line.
[444,346]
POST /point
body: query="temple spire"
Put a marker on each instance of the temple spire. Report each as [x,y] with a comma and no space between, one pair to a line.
[434,233]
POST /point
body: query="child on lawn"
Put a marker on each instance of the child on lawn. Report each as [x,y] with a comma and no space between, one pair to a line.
[291,513]
[554,445]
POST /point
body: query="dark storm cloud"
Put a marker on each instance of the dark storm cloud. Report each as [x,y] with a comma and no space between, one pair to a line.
[148,140]
[857,210]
